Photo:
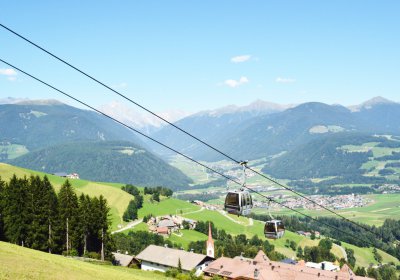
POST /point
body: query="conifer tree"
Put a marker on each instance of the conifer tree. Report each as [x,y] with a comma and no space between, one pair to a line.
[68,206]
[37,233]
[2,193]
[85,219]
[104,223]
[16,210]
[52,217]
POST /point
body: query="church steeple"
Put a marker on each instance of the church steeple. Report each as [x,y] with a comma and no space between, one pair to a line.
[210,243]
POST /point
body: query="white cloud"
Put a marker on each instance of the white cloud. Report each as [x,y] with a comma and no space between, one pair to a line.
[285,80]
[240,58]
[235,83]
[8,72]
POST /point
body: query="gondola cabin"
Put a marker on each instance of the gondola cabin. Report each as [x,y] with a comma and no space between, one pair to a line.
[274,229]
[238,203]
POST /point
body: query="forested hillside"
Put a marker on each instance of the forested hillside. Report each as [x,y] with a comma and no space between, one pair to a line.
[38,126]
[321,158]
[106,161]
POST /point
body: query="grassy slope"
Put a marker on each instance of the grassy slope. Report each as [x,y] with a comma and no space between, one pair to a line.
[364,256]
[166,207]
[21,263]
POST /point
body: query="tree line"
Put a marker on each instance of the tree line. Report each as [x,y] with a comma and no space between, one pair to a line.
[231,246]
[34,216]
[131,213]
[158,190]
[384,237]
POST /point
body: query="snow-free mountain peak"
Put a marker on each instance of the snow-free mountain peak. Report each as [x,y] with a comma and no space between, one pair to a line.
[377,100]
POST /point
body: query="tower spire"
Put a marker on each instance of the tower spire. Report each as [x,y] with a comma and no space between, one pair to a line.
[210,242]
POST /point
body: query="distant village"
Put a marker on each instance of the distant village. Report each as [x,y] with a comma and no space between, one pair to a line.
[336,202]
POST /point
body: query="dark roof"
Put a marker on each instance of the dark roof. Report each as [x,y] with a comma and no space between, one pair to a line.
[288,261]
[61,174]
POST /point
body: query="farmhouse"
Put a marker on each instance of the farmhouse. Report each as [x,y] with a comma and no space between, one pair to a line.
[262,268]
[66,175]
[158,258]
[124,260]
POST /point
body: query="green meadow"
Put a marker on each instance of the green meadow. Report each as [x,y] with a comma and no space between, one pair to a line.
[17,262]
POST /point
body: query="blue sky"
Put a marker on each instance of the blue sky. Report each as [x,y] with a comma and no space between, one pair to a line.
[196,55]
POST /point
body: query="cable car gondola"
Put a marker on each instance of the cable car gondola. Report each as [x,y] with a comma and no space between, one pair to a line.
[273,229]
[239,202]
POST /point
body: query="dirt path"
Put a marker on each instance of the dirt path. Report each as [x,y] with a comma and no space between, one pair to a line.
[129,225]
[251,222]
[343,251]
[201,209]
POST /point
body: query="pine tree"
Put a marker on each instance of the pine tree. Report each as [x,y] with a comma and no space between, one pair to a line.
[16,210]
[104,223]
[2,194]
[131,212]
[85,219]
[37,233]
[68,205]
[43,213]
[156,196]
[52,217]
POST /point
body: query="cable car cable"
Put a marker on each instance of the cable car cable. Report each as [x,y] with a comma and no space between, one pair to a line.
[180,129]
[172,149]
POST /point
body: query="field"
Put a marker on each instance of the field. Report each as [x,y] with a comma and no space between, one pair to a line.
[191,169]
[169,206]
[22,263]
[186,237]
[365,257]
[12,151]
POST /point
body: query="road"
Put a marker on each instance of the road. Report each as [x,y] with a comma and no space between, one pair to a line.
[129,225]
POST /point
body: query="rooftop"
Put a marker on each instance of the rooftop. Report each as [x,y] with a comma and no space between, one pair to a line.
[262,268]
[170,257]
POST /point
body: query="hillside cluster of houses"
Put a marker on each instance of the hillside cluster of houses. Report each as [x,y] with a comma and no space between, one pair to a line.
[159,258]
[67,175]
[165,225]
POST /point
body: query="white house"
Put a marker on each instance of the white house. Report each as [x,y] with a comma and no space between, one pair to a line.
[323,266]
[158,258]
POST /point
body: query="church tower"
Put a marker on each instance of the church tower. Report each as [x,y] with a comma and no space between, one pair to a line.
[210,243]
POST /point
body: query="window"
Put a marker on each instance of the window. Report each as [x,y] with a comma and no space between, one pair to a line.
[232,199]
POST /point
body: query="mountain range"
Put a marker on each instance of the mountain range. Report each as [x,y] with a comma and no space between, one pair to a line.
[259,130]
[253,134]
